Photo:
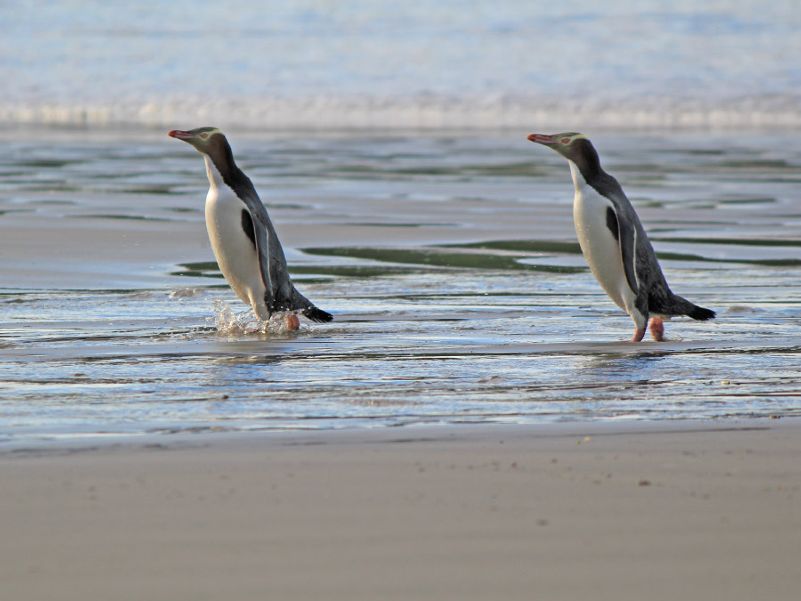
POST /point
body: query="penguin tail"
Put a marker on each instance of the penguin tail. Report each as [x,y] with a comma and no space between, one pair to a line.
[692,310]
[314,314]
[700,313]
[300,303]
[677,305]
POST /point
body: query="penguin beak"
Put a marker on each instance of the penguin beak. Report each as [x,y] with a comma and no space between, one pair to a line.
[541,139]
[180,134]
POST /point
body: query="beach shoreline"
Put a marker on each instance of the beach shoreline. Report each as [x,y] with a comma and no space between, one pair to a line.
[614,510]
[474,423]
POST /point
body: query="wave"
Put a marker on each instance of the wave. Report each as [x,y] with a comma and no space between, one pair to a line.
[424,111]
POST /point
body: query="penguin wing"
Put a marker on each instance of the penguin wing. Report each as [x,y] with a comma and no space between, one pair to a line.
[272,263]
[627,239]
[622,221]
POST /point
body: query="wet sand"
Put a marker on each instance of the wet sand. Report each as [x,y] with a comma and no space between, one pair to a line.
[670,510]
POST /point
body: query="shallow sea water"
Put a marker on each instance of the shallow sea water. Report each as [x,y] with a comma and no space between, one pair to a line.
[450,264]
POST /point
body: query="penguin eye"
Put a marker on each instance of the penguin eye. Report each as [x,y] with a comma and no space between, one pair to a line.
[204,136]
[565,140]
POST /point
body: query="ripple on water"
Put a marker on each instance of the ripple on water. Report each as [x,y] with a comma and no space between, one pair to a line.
[494,320]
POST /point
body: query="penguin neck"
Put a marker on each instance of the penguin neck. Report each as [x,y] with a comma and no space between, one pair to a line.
[215,177]
[596,179]
[579,182]
[227,174]
[585,165]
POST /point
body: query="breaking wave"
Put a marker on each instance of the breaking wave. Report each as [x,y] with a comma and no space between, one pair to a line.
[420,112]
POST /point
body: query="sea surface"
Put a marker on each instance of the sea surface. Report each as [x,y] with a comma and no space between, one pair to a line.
[316,64]
[388,141]
[449,262]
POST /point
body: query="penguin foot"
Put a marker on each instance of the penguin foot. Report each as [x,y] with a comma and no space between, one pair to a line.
[657,327]
[292,322]
[638,334]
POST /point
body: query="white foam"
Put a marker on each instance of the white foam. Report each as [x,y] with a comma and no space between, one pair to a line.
[179,293]
[320,113]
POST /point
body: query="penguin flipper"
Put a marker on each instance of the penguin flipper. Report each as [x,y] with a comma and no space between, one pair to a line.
[261,244]
[272,263]
[627,241]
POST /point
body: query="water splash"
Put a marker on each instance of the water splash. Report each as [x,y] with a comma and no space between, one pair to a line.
[227,322]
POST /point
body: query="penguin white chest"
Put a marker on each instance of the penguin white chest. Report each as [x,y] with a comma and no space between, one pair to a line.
[599,244]
[235,253]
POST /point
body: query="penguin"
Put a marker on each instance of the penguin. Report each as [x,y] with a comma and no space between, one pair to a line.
[614,242]
[242,236]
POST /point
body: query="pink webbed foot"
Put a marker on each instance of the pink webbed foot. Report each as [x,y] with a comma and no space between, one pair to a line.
[657,327]
[638,335]
[292,322]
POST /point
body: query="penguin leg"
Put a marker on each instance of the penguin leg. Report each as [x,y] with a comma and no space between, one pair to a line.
[640,323]
[291,321]
[657,327]
[259,308]
[639,327]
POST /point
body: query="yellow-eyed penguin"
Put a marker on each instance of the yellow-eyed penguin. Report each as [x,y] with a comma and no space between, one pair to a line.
[242,236]
[614,242]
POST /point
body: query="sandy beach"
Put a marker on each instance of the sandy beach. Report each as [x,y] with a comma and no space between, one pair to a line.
[474,423]
[677,510]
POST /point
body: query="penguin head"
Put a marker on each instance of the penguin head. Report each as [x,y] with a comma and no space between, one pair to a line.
[204,139]
[575,147]
[570,145]
[211,142]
